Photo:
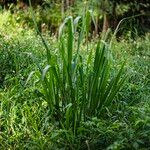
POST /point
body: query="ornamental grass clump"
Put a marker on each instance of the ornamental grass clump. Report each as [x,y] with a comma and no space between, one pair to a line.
[78,84]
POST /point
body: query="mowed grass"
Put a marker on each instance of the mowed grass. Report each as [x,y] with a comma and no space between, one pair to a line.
[26,120]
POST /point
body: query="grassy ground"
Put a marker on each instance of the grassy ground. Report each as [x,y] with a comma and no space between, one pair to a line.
[25,121]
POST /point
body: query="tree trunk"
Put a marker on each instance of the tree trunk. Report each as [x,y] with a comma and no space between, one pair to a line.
[96,25]
[105,23]
[67,3]
[72,2]
[62,8]
[114,15]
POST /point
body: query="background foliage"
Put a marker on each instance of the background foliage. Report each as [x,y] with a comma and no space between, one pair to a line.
[107,13]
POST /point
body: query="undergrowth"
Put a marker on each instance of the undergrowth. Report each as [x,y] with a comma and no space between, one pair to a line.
[26,118]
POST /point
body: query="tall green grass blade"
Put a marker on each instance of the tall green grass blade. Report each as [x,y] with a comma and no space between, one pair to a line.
[29,77]
[114,92]
[70,43]
[39,33]
[44,72]
[112,88]
[68,115]
[76,23]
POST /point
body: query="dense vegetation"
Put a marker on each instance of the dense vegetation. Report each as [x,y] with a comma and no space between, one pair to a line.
[72,89]
[108,13]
